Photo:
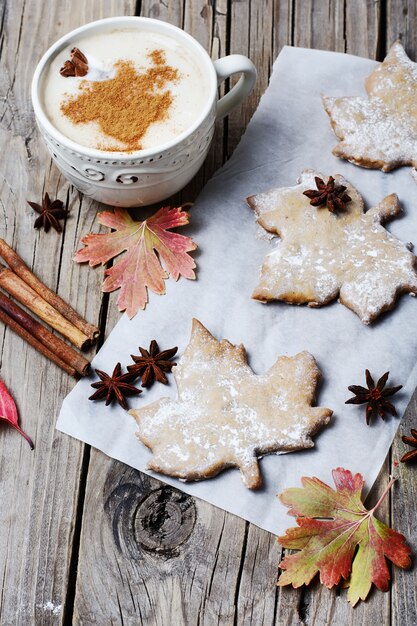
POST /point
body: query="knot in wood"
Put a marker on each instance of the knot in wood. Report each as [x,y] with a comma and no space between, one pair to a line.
[164,520]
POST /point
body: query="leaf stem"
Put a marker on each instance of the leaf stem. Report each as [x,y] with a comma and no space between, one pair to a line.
[387,488]
[19,430]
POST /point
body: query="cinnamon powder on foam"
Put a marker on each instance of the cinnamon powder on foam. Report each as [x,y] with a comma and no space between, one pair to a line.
[127,104]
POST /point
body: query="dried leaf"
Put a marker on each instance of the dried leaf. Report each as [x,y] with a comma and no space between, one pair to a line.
[147,244]
[338,537]
[8,412]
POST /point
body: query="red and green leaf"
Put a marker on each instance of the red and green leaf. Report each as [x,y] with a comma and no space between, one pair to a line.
[147,244]
[339,538]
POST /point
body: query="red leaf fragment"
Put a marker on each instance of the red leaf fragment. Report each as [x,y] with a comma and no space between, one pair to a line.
[8,412]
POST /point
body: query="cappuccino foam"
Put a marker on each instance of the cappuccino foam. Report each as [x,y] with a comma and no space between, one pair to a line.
[183,90]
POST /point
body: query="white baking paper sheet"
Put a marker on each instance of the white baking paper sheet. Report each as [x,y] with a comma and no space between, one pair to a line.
[289,132]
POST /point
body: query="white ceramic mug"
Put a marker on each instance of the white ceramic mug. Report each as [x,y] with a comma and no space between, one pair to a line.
[145,176]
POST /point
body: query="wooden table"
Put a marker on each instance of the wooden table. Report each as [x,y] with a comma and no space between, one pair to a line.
[85,539]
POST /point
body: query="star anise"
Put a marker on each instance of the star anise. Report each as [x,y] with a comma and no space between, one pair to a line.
[411,441]
[115,387]
[152,364]
[49,213]
[375,397]
[327,194]
[76,66]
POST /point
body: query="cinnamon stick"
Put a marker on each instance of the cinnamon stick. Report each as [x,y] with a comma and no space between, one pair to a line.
[17,264]
[62,350]
[17,288]
[22,332]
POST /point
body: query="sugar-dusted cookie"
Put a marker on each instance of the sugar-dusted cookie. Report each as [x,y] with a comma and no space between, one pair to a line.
[226,416]
[379,131]
[325,253]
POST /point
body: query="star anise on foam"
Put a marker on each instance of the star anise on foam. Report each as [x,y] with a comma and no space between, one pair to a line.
[152,364]
[49,213]
[328,194]
[375,397]
[411,455]
[77,65]
[115,387]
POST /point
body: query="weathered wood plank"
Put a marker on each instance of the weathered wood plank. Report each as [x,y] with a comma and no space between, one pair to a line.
[320,25]
[401,21]
[39,490]
[207,22]
[404,520]
[155,553]
[252,33]
[337,25]
[364,40]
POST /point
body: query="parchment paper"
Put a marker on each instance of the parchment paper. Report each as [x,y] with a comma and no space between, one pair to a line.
[289,132]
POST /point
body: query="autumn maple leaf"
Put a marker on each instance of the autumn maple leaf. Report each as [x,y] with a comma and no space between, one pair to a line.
[379,131]
[146,243]
[226,416]
[339,538]
[323,255]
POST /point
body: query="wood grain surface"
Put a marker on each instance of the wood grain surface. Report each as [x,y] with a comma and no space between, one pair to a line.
[85,539]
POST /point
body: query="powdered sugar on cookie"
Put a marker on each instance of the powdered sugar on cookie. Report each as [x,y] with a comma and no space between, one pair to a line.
[227,416]
[322,255]
[380,132]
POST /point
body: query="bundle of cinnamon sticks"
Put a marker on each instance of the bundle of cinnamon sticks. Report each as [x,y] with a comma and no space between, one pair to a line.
[18,281]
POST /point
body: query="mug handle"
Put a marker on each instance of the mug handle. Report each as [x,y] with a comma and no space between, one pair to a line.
[226,67]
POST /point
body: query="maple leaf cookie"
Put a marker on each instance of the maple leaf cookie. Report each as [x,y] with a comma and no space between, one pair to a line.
[328,253]
[380,131]
[226,416]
